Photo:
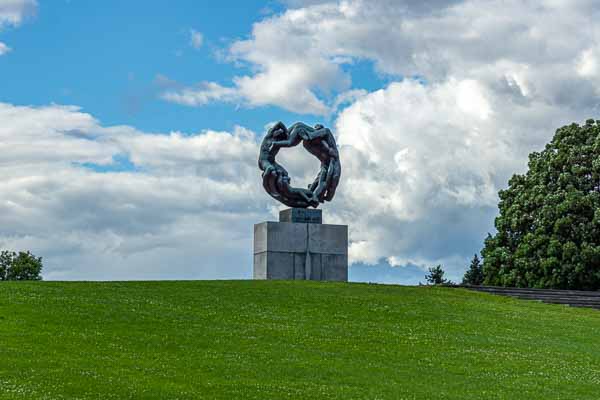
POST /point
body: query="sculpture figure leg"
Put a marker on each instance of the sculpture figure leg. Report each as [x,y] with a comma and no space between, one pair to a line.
[315,183]
[324,176]
[335,179]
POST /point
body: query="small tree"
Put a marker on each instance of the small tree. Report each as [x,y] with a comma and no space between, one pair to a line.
[5,263]
[436,276]
[23,266]
[474,275]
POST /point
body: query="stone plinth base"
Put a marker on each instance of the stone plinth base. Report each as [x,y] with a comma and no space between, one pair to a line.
[290,250]
[302,215]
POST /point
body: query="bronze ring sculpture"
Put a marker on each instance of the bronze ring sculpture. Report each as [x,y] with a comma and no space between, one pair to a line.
[319,141]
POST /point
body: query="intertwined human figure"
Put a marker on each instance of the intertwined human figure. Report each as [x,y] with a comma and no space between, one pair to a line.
[319,141]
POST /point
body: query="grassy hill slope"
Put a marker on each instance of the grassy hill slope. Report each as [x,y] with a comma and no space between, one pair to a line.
[257,340]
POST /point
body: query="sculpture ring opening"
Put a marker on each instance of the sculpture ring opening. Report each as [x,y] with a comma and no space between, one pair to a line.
[319,141]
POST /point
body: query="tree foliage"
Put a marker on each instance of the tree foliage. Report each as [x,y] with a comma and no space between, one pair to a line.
[435,276]
[474,275]
[548,228]
[22,266]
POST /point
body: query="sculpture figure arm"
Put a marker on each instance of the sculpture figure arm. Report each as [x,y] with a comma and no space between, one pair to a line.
[293,140]
[320,133]
[297,132]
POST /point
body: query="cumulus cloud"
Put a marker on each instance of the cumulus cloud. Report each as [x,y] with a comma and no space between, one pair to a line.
[416,190]
[186,211]
[297,57]
[288,69]
[423,161]
[4,48]
[422,165]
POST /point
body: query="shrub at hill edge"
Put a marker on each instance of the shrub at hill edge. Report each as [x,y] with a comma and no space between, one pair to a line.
[549,221]
[23,266]
[474,275]
[435,276]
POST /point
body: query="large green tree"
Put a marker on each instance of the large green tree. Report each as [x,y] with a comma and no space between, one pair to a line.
[548,229]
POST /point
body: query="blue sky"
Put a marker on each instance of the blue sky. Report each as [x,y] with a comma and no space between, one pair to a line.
[108,57]
[128,151]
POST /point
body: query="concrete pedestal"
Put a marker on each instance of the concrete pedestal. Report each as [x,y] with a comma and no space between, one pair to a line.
[302,215]
[292,250]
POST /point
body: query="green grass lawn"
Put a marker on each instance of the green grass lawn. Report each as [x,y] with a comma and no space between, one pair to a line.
[304,340]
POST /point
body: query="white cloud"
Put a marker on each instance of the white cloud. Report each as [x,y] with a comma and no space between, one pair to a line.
[288,69]
[4,48]
[587,64]
[184,214]
[202,94]
[196,39]
[12,13]
[422,163]
[296,58]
